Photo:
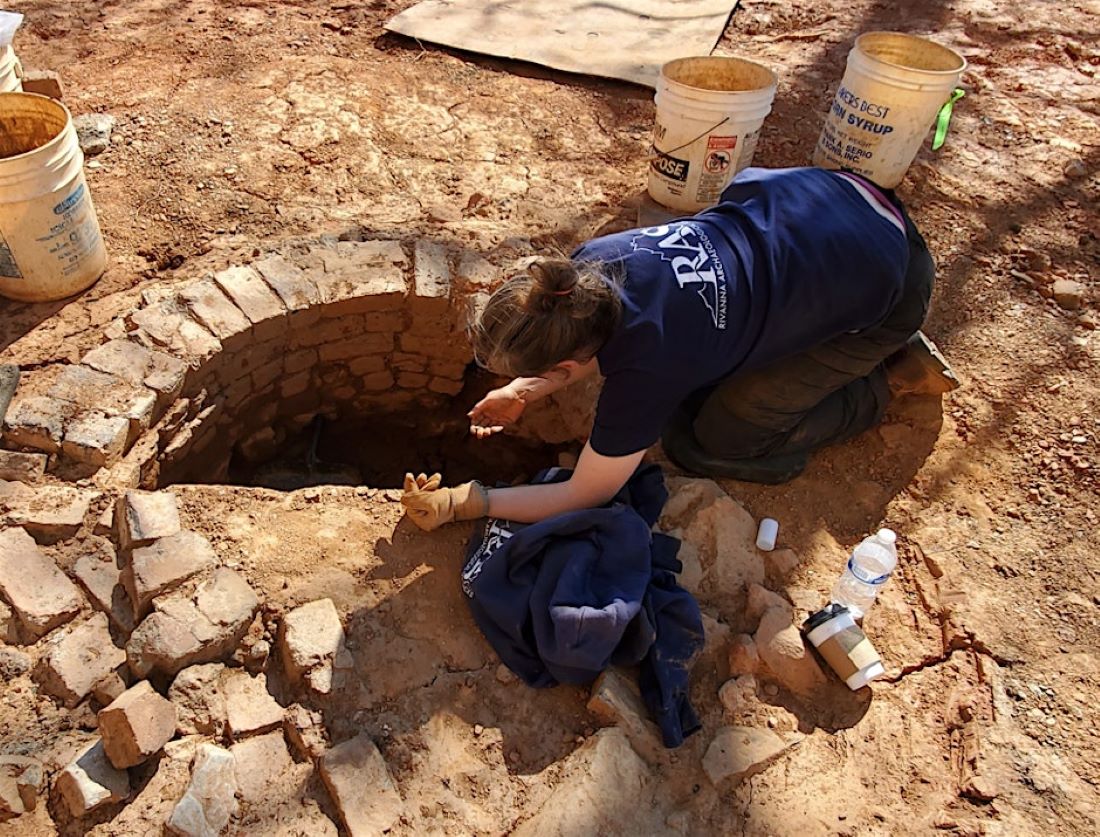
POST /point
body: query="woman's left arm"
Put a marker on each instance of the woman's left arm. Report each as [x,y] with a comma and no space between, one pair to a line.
[596,480]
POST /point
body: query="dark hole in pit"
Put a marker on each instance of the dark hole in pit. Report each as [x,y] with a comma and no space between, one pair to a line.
[378,449]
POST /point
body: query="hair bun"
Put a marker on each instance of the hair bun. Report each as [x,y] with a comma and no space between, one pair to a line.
[554,282]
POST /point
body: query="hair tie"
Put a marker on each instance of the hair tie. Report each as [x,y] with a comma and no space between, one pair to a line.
[563,293]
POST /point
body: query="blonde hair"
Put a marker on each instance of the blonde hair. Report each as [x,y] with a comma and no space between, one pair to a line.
[557,310]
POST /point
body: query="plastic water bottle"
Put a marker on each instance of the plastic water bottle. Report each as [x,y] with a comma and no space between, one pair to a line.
[869,568]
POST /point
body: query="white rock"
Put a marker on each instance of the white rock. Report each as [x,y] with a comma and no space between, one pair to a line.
[210,801]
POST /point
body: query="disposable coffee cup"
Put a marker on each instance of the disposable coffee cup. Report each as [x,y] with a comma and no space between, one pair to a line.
[844,646]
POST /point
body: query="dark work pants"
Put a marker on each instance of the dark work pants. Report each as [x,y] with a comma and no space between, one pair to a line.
[820,397]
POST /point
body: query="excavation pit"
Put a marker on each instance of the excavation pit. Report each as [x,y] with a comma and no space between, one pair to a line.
[331,361]
[378,449]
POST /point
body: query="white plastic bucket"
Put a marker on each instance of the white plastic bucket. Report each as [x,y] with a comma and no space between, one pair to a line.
[893,86]
[11,72]
[50,243]
[709,114]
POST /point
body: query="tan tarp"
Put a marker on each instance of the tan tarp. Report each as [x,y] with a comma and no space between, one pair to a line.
[623,39]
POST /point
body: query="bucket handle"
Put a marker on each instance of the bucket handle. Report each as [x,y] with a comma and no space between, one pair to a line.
[691,141]
[943,119]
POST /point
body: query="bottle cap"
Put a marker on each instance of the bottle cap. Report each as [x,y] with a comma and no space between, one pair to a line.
[887,535]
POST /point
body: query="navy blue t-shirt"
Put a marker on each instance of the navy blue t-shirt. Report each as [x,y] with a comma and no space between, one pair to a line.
[789,259]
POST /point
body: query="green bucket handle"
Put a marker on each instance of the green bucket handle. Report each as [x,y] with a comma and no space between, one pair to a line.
[943,119]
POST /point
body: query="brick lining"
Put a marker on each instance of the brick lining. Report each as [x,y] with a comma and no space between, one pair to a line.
[251,354]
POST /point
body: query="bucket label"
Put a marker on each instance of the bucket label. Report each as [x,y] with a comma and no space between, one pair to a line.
[70,201]
[76,234]
[718,168]
[8,268]
[671,167]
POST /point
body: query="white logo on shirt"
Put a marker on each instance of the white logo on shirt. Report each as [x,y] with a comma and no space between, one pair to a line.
[694,262]
[496,533]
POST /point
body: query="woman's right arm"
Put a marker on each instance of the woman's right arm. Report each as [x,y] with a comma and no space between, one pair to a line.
[503,407]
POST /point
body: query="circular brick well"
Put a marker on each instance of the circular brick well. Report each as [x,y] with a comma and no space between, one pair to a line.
[360,345]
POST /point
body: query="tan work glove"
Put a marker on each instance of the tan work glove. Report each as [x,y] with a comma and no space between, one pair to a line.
[429,506]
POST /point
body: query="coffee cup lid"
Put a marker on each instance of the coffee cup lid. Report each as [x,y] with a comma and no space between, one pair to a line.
[830,611]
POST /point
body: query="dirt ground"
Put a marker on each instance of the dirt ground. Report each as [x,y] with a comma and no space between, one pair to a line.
[243,123]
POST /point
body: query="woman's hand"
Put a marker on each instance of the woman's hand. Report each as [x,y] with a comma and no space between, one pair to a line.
[430,506]
[497,410]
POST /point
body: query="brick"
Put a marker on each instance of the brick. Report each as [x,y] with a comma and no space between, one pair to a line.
[22,467]
[250,708]
[301,360]
[434,345]
[259,355]
[475,272]
[96,439]
[361,788]
[187,629]
[431,277]
[91,781]
[227,599]
[371,273]
[364,365]
[21,780]
[240,391]
[143,516]
[405,362]
[305,730]
[296,290]
[109,394]
[138,365]
[165,644]
[250,293]
[48,512]
[367,344]
[43,82]
[259,446]
[199,699]
[783,651]
[616,701]
[167,323]
[378,382]
[453,369]
[37,422]
[743,656]
[40,594]
[344,393]
[331,330]
[295,384]
[136,725]
[74,662]
[311,644]
[259,762]
[412,380]
[213,309]
[445,386]
[264,377]
[164,565]
[386,321]
[107,690]
[210,801]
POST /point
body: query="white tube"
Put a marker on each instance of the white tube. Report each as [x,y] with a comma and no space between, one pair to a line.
[766,534]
